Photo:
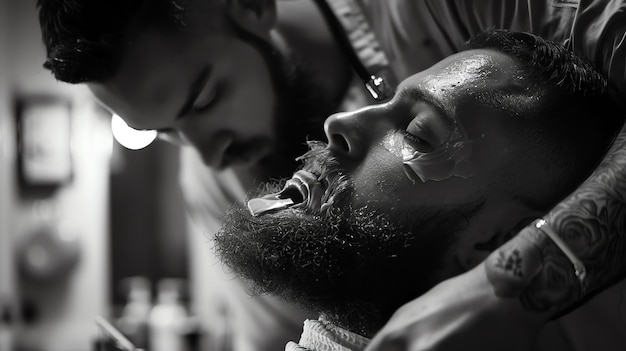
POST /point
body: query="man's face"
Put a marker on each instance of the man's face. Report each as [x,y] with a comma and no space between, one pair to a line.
[372,227]
[462,116]
[204,86]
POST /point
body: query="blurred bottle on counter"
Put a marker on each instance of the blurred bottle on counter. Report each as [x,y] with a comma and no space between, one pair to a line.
[6,321]
[133,322]
[169,321]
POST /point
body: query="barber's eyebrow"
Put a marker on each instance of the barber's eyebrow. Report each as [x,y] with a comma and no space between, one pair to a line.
[416,94]
[195,89]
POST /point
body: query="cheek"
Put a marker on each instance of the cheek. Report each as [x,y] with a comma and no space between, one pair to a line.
[249,94]
[494,154]
[380,182]
[252,105]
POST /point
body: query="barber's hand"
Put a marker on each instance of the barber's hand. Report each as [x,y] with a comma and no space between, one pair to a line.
[461,313]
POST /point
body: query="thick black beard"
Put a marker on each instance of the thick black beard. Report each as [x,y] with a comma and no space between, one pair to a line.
[355,266]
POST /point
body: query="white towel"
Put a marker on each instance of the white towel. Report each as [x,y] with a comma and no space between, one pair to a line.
[321,335]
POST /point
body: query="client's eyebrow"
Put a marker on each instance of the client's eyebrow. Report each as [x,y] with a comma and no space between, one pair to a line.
[195,89]
[415,94]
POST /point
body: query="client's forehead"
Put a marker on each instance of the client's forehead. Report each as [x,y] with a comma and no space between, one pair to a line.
[479,88]
[466,72]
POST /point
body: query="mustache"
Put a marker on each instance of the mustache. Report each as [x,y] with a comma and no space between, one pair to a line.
[319,160]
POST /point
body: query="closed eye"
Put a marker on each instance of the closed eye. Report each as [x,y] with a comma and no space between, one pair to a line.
[196,89]
[417,143]
[205,99]
[418,133]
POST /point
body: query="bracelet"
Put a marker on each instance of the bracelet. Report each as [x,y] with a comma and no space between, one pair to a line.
[579,267]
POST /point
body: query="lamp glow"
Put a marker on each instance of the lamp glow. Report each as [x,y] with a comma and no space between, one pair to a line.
[129,137]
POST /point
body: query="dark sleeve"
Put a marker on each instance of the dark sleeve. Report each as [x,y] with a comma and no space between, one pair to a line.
[452,22]
[599,35]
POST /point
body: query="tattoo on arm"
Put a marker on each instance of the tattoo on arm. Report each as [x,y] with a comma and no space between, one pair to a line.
[591,221]
[511,263]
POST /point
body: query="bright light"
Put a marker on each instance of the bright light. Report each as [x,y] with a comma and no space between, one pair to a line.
[131,138]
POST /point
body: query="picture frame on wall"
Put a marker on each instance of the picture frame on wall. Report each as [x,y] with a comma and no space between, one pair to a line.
[44,125]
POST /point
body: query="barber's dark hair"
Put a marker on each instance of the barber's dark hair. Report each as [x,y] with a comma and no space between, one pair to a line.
[582,117]
[85,40]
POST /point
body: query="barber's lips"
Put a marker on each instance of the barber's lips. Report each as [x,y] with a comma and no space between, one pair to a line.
[304,190]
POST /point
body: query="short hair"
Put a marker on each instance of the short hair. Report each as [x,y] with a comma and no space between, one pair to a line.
[86,40]
[577,124]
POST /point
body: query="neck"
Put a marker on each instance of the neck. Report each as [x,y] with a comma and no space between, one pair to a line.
[302,29]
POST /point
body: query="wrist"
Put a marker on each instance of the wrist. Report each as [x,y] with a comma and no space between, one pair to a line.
[511,268]
[534,270]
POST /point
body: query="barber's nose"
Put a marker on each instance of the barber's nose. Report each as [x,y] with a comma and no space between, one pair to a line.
[350,134]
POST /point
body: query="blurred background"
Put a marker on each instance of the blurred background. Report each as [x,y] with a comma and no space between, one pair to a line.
[87,227]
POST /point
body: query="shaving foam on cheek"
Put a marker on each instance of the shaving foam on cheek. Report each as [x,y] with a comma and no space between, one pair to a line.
[452,158]
[448,160]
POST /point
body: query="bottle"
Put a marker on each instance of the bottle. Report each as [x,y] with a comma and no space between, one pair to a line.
[133,322]
[168,320]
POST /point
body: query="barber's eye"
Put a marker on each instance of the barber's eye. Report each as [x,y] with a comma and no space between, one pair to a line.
[205,99]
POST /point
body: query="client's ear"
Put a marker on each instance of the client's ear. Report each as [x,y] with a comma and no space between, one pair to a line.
[254,16]
[492,226]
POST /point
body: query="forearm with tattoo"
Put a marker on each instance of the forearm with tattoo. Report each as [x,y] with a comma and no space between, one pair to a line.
[592,223]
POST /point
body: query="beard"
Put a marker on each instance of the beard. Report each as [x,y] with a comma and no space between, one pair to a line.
[355,266]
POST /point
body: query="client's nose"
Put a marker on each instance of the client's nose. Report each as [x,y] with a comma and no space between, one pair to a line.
[347,134]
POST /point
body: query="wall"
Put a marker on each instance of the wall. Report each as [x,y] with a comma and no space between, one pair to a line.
[64,310]
[7,284]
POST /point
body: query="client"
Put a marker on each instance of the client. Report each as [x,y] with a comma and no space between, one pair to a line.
[466,154]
